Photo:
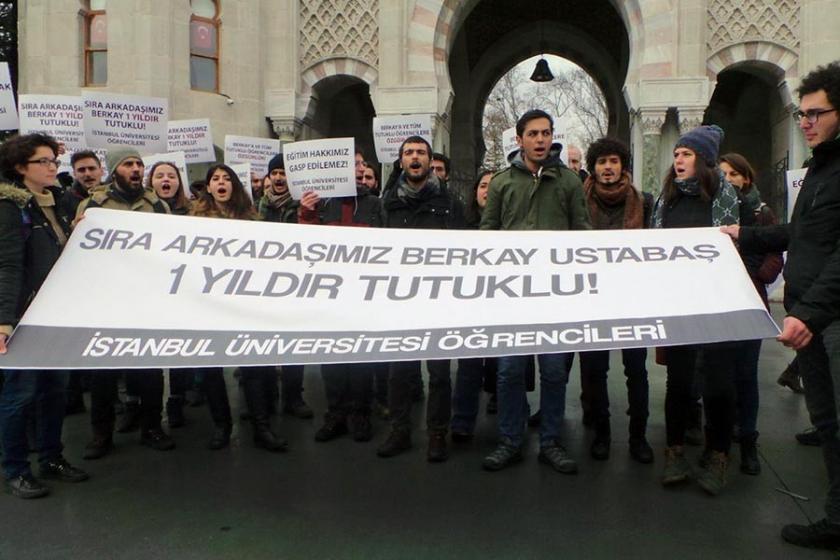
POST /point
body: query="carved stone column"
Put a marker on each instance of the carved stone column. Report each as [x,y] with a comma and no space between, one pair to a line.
[287,129]
[651,121]
[690,118]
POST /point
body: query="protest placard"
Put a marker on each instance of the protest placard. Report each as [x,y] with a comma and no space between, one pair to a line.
[60,116]
[113,120]
[247,149]
[794,177]
[243,171]
[8,110]
[324,166]
[216,292]
[177,158]
[193,137]
[389,133]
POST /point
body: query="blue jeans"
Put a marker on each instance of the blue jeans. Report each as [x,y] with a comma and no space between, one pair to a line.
[513,410]
[819,363]
[746,385]
[39,392]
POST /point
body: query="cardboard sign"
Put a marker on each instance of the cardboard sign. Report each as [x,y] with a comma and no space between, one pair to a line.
[794,179]
[192,137]
[60,116]
[324,166]
[219,292]
[389,133]
[8,110]
[112,120]
[247,149]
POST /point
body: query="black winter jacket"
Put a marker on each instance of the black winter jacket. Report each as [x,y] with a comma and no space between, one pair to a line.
[29,248]
[432,209]
[812,239]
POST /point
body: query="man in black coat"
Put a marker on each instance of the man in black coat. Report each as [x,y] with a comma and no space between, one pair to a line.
[418,199]
[812,283]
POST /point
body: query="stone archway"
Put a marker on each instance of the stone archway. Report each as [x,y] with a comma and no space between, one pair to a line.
[478,41]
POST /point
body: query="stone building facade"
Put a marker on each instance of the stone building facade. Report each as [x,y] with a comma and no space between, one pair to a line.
[300,69]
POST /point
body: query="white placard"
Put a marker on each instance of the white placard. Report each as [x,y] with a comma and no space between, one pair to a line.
[243,171]
[112,120]
[247,149]
[389,133]
[8,110]
[193,137]
[60,116]
[325,166]
[220,292]
[177,158]
[794,179]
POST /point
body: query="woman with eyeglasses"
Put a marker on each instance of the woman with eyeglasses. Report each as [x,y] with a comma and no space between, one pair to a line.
[32,235]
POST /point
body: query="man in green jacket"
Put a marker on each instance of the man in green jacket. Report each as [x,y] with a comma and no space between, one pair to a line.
[536,192]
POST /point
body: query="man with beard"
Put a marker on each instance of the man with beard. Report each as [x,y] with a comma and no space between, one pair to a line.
[277,205]
[125,192]
[614,203]
[419,200]
[536,192]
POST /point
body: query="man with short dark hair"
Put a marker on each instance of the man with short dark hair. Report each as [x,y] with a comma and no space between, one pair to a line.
[614,203]
[812,284]
[536,192]
[87,175]
[419,200]
[440,166]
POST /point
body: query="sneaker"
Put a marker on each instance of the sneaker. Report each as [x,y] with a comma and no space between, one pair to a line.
[676,468]
[60,469]
[361,427]
[157,439]
[26,487]
[809,437]
[640,450]
[98,447]
[559,459]
[821,534]
[437,451]
[712,478]
[334,426]
[298,409]
[397,442]
[505,455]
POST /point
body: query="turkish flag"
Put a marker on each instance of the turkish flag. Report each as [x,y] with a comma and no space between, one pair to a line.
[202,35]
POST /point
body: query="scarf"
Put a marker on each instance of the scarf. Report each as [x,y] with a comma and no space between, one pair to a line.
[622,193]
[276,200]
[753,198]
[407,193]
[724,204]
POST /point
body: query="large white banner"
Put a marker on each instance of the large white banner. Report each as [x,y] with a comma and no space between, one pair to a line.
[176,291]
[389,133]
[112,120]
[193,137]
[249,149]
[8,110]
[324,166]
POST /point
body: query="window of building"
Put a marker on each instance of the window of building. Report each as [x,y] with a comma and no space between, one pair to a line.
[204,45]
[96,44]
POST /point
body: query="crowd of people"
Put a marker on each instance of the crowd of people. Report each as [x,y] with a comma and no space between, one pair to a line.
[536,191]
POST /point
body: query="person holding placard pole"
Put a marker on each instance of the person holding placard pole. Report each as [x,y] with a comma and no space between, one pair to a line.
[348,387]
[695,193]
[226,198]
[812,278]
[536,192]
[419,200]
[32,235]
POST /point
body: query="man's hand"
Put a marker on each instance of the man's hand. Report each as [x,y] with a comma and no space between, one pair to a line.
[3,339]
[310,200]
[732,231]
[795,334]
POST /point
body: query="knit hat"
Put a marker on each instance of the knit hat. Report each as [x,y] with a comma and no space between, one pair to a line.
[276,163]
[704,141]
[118,155]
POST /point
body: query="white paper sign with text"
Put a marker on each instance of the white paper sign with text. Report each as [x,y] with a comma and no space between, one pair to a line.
[60,116]
[247,149]
[389,133]
[795,177]
[177,291]
[112,120]
[193,137]
[323,166]
[8,110]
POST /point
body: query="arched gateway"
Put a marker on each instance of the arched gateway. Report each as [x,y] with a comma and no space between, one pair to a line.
[298,69]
